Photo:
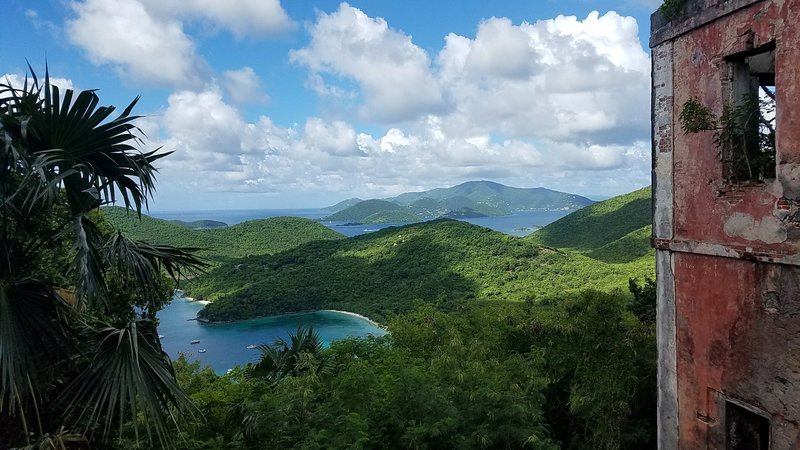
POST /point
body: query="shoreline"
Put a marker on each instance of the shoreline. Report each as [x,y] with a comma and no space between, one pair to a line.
[180,293]
[350,313]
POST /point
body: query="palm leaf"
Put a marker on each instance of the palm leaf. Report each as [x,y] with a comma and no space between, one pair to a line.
[127,378]
[90,272]
[143,263]
[32,336]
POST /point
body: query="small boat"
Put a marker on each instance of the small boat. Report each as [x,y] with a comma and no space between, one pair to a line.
[196,341]
[202,350]
[251,346]
[161,336]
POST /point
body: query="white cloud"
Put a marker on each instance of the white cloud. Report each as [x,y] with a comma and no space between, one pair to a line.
[561,103]
[243,86]
[143,48]
[562,79]
[500,50]
[146,41]
[17,81]
[393,73]
[335,138]
[244,18]
[217,150]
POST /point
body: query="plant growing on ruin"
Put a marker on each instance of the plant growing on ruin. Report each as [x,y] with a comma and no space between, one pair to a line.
[744,133]
[671,8]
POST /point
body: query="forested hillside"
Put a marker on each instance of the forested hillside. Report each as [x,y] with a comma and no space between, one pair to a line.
[609,227]
[389,272]
[254,237]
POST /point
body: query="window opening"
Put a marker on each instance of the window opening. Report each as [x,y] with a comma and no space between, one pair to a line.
[745,429]
[747,134]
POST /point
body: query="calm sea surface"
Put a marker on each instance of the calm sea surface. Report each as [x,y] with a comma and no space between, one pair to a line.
[517,224]
[226,344]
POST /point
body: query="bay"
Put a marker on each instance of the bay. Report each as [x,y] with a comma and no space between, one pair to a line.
[226,343]
[520,223]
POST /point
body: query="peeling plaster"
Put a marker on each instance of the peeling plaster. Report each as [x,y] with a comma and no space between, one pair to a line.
[789,176]
[769,230]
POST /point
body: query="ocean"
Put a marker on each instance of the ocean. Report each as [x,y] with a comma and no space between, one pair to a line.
[225,344]
[518,224]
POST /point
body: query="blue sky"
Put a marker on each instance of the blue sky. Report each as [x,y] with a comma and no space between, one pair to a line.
[276,104]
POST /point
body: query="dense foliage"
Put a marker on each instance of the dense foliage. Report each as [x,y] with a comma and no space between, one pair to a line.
[79,356]
[575,372]
[254,237]
[390,271]
[602,224]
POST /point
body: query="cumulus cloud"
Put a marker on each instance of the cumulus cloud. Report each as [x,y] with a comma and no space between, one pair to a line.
[561,103]
[393,73]
[217,150]
[243,86]
[243,18]
[562,79]
[146,41]
[335,138]
[17,81]
[142,47]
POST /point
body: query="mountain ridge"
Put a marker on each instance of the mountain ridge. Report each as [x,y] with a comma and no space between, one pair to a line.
[472,198]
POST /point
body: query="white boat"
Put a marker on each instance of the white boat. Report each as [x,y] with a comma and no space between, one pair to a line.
[202,350]
[161,336]
[196,341]
[251,346]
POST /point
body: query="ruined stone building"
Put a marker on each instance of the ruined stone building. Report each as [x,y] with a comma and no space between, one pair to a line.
[726,182]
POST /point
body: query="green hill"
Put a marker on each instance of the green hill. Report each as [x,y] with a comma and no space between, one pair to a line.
[471,199]
[344,204]
[388,272]
[500,197]
[254,237]
[609,229]
[360,211]
[200,224]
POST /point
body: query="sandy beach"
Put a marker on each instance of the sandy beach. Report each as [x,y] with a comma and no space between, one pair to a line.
[357,315]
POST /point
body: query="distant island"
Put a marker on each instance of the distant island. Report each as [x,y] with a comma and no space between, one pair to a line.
[467,200]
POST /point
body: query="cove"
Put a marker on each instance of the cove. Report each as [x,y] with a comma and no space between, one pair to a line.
[225,344]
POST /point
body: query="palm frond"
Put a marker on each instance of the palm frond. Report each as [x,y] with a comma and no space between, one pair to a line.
[32,334]
[143,263]
[90,272]
[128,377]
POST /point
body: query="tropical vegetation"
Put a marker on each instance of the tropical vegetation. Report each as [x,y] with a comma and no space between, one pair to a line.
[574,372]
[223,244]
[79,355]
[495,341]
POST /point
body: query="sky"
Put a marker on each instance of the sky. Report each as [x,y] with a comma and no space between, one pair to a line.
[270,104]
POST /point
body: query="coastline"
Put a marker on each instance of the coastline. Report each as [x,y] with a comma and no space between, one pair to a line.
[349,313]
[182,295]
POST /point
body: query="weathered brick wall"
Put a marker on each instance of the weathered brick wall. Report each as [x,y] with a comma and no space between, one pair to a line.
[728,253]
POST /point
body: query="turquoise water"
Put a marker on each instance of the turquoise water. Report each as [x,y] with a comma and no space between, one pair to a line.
[226,344]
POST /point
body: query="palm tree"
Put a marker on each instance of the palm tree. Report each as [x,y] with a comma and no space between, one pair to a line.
[302,353]
[79,355]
